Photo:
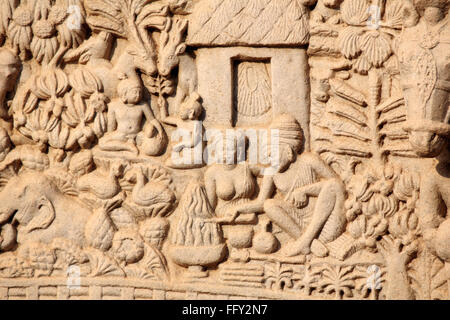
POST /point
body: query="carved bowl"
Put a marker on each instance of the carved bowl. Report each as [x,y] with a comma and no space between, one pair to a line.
[205,256]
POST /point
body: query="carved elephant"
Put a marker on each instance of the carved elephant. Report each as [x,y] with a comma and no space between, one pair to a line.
[39,211]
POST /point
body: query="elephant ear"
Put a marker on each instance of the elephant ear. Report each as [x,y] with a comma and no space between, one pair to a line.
[44,218]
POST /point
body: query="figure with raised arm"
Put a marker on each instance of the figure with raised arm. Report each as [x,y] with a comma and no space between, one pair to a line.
[190,130]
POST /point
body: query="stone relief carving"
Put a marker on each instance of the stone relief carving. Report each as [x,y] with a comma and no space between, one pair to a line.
[179,149]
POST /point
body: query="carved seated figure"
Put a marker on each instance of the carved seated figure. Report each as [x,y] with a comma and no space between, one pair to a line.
[125,122]
[191,132]
[298,178]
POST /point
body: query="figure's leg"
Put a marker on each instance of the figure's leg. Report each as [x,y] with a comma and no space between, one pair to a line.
[131,147]
[106,142]
[278,213]
[114,141]
[169,163]
[329,202]
[336,222]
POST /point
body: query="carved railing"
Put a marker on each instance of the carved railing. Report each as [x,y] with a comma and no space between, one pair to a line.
[128,289]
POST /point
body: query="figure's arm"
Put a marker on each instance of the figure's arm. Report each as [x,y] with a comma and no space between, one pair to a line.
[210,186]
[170,120]
[196,134]
[195,138]
[148,113]
[313,190]
[323,170]
[173,121]
[111,126]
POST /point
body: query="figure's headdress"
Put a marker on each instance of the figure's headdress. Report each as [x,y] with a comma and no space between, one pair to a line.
[289,131]
[127,84]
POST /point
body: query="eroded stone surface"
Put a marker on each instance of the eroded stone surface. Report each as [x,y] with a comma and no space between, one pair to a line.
[182,149]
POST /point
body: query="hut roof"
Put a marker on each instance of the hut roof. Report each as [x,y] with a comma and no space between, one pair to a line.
[248,22]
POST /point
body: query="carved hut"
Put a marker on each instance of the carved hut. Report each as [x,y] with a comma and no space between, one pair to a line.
[251,60]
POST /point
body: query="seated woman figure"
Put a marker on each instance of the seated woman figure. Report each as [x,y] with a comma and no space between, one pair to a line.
[231,182]
[297,178]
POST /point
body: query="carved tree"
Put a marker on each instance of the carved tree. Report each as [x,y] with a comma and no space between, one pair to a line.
[350,120]
[134,19]
[170,47]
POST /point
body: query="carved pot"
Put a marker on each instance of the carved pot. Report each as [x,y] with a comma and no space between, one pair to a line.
[264,241]
[240,237]
[205,256]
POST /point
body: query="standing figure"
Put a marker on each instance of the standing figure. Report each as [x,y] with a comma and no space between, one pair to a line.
[424,56]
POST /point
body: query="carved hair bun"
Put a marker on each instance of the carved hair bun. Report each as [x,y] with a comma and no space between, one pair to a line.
[290,131]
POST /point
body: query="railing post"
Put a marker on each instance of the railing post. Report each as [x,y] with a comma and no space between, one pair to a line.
[95,292]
